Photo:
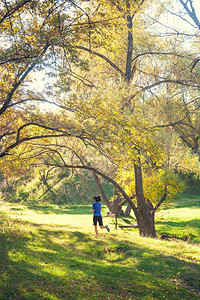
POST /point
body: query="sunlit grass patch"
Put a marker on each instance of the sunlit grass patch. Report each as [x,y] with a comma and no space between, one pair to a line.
[50,254]
[46,266]
[182,223]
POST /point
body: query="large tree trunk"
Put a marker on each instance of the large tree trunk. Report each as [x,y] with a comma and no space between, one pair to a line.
[145,217]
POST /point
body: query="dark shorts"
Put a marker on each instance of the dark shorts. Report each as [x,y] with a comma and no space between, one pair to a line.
[98,219]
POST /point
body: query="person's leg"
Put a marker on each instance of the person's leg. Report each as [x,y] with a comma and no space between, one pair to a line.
[101,224]
[96,230]
[106,227]
[95,225]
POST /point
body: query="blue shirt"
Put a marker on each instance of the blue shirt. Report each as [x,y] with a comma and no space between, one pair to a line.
[97,209]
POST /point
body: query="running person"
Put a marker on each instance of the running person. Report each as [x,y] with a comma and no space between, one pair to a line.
[96,208]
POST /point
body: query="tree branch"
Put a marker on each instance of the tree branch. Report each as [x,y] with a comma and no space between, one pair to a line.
[163,82]
[59,133]
[43,100]
[161,200]
[180,122]
[160,53]
[18,142]
[19,82]
[103,57]
[11,11]
[9,60]
[192,12]
[128,199]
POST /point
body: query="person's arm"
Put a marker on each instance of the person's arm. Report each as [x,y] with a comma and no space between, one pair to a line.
[93,208]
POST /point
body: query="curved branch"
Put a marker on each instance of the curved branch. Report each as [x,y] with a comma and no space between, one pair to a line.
[14,9]
[16,59]
[43,100]
[18,142]
[194,64]
[59,133]
[180,121]
[103,57]
[41,126]
[160,53]
[168,81]
[20,81]
[163,82]
[128,199]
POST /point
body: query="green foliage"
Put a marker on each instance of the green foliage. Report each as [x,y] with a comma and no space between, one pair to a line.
[61,187]
[181,219]
[12,190]
[117,118]
[155,185]
[52,252]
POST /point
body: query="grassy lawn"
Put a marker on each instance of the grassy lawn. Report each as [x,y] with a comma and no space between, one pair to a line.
[50,252]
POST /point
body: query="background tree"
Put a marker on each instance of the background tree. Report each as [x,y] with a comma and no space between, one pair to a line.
[34,35]
[111,127]
[161,73]
[115,111]
[180,104]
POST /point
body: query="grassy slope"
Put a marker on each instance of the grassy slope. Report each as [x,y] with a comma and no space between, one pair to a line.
[51,253]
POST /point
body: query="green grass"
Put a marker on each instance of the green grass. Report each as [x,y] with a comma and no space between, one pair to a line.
[181,219]
[50,252]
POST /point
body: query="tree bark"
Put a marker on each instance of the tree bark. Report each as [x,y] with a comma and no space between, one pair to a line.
[145,217]
[130,44]
[117,200]
[127,211]
[101,191]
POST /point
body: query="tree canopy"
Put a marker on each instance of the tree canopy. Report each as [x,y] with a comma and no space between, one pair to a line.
[128,94]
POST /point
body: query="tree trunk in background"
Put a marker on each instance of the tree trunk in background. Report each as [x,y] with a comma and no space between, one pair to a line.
[101,191]
[129,55]
[127,211]
[113,207]
[117,200]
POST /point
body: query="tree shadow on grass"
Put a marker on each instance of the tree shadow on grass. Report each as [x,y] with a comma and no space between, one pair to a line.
[72,265]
